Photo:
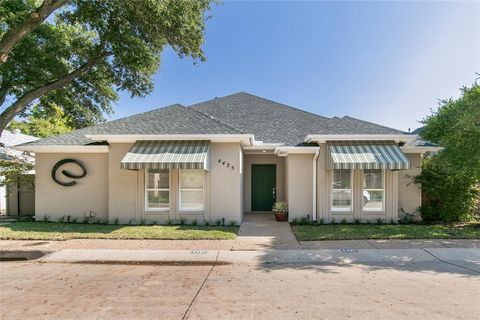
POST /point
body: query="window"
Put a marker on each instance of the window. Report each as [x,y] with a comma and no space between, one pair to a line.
[373,190]
[157,190]
[191,190]
[342,195]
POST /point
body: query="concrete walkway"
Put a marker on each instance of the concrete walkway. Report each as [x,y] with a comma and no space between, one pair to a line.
[260,231]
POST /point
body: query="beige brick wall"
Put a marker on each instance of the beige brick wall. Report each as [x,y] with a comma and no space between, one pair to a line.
[409,193]
[89,194]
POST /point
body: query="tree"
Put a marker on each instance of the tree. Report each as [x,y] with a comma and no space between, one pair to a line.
[77,54]
[452,177]
[43,123]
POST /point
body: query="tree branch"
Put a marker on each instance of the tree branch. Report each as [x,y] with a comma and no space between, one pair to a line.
[17,33]
[22,103]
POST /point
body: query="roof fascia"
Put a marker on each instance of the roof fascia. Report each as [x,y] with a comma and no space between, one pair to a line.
[322,138]
[62,149]
[245,139]
[285,151]
[421,150]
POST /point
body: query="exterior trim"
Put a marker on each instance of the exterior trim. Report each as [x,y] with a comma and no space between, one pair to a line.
[314,197]
[322,138]
[63,149]
[245,139]
[420,150]
[285,151]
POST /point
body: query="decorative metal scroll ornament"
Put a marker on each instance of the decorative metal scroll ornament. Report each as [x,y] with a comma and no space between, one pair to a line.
[68,174]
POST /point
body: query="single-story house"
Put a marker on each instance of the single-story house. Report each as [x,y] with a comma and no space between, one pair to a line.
[221,158]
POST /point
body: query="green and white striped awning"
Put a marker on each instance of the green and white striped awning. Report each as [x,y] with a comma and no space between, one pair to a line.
[366,155]
[167,155]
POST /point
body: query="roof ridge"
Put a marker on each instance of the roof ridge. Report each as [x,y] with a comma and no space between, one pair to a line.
[262,98]
[379,125]
[285,105]
[214,119]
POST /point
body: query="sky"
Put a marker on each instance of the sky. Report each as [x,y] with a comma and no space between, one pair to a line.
[385,62]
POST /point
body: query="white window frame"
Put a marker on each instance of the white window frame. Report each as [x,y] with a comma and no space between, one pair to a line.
[180,189]
[351,192]
[147,208]
[383,192]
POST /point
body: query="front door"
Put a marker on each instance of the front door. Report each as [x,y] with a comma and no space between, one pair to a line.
[263,187]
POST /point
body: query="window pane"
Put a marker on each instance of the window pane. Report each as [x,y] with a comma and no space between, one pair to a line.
[158,199]
[191,200]
[373,200]
[342,179]
[191,179]
[373,179]
[158,179]
[342,199]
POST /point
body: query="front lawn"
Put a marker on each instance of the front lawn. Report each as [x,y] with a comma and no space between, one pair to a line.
[408,231]
[65,231]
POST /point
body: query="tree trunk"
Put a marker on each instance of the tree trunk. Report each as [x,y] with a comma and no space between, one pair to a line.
[22,103]
[17,33]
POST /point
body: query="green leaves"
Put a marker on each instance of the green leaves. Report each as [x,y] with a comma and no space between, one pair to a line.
[128,36]
[452,177]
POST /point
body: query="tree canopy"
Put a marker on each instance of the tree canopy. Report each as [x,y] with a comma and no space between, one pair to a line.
[42,122]
[75,55]
[452,178]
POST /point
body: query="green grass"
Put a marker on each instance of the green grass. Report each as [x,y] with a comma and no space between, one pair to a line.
[65,231]
[409,231]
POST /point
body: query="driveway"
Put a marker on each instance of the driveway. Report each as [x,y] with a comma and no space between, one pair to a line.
[363,290]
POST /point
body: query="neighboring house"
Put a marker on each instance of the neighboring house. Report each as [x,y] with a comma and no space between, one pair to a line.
[227,156]
[20,198]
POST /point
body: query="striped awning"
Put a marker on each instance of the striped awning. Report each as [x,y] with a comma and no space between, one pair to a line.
[367,155]
[167,155]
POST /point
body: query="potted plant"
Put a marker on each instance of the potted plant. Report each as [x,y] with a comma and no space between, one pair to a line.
[280,209]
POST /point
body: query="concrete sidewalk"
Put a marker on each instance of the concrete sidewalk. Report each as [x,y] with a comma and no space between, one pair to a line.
[465,258]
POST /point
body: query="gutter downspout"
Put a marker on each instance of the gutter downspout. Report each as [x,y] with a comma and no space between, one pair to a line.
[314,204]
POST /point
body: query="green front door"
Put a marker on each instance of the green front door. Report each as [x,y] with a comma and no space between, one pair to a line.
[263,187]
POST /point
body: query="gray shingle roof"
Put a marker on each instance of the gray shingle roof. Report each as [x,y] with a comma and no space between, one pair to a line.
[275,122]
[238,113]
[175,119]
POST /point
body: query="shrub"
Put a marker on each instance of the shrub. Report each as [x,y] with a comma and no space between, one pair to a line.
[194,222]
[321,221]
[453,196]
[304,221]
[46,218]
[115,220]
[218,222]
[379,221]
[206,223]
[356,221]
[233,223]
[74,220]
[344,221]
[61,219]
[169,221]
[183,221]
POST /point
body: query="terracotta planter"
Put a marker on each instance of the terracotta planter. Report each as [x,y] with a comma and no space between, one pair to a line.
[281,216]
